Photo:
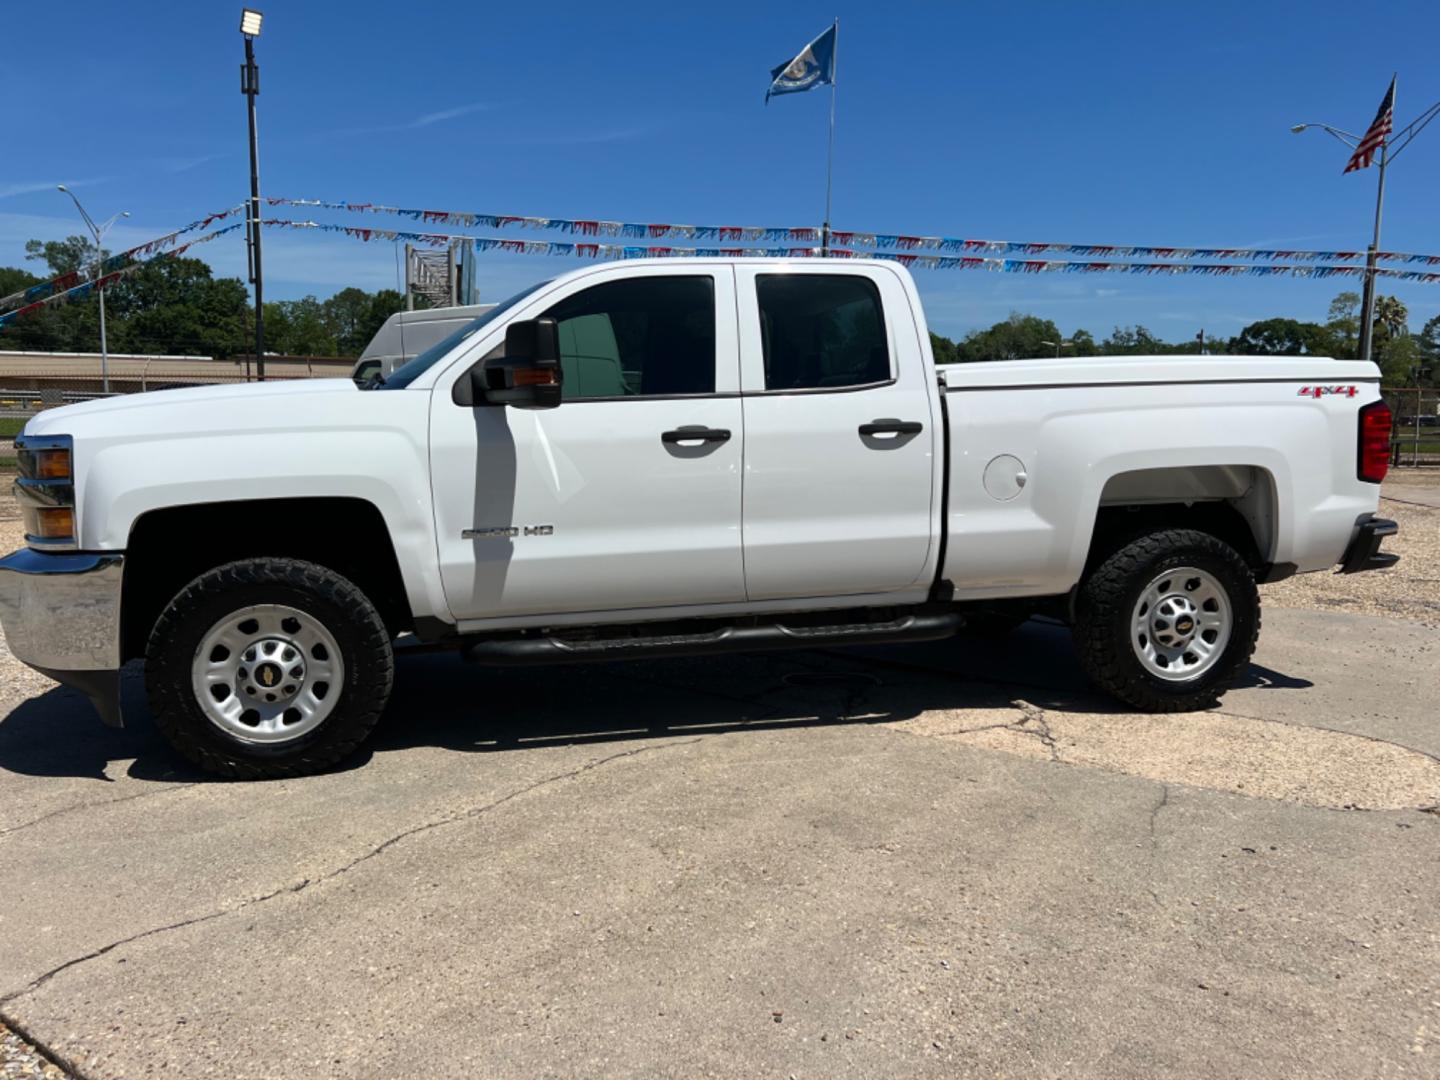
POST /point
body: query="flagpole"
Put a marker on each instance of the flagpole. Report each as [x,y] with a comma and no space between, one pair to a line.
[830,152]
[1367,302]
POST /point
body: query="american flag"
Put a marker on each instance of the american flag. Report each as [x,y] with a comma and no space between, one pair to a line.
[1374,138]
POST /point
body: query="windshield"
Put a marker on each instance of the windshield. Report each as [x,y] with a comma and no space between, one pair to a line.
[417,365]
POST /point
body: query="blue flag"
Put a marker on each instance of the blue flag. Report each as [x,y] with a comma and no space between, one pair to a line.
[814,65]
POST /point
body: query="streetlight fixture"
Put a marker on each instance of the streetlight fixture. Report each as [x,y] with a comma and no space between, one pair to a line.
[1390,149]
[98,232]
[1057,346]
[250,21]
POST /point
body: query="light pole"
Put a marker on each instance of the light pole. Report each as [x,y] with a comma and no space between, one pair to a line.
[1057,345]
[250,21]
[98,231]
[1390,149]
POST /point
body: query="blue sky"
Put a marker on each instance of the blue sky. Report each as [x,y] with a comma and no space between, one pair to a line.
[1117,122]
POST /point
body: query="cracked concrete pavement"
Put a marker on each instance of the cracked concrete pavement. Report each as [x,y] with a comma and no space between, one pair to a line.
[942,860]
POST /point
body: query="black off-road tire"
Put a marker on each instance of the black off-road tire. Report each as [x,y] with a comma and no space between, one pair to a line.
[359,631]
[1108,597]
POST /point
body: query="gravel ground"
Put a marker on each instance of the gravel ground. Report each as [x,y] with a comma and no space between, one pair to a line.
[20,1061]
[1409,591]
[17,682]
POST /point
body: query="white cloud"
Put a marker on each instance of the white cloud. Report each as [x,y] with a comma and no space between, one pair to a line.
[185,164]
[31,187]
[451,114]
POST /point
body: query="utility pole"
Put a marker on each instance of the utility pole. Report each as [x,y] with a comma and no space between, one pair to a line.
[250,86]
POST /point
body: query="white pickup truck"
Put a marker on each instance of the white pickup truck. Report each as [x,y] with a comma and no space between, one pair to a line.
[671,457]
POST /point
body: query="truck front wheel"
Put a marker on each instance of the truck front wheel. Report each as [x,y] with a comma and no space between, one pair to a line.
[268,668]
[1169,621]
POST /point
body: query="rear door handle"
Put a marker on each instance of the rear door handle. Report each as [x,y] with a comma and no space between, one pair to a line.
[890,426]
[696,434]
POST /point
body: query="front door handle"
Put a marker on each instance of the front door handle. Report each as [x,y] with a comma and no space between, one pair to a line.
[890,426]
[696,434]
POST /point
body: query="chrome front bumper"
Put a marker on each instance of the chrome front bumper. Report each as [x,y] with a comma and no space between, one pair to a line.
[61,615]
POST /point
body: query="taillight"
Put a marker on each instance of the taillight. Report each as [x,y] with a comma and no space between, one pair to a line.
[1373,458]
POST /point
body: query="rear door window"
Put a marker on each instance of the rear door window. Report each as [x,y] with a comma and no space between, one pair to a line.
[821,331]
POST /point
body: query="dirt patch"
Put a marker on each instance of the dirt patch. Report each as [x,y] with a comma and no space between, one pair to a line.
[1223,751]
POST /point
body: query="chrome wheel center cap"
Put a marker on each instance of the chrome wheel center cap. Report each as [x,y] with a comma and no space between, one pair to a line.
[272,669]
[1181,624]
[1173,622]
[268,673]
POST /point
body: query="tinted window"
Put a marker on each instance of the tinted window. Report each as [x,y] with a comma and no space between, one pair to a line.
[639,337]
[821,331]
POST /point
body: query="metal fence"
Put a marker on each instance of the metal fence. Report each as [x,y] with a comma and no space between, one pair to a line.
[31,381]
[1415,439]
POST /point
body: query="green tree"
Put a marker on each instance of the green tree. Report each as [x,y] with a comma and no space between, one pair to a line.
[1429,338]
[298,328]
[1343,322]
[71,327]
[1018,337]
[63,256]
[347,316]
[1283,337]
[1427,342]
[12,280]
[1400,360]
[351,317]
[1397,353]
[1082,343]
[1133,340]
[943,348]
[175,305]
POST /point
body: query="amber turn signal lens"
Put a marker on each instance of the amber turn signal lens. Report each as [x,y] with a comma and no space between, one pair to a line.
[52,464]
[50,522]
[535,377]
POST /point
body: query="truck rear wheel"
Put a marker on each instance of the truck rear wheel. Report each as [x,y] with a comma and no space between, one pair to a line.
[1169,621]
[268,668]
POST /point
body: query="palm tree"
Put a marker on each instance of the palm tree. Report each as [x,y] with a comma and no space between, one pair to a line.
[1393,315]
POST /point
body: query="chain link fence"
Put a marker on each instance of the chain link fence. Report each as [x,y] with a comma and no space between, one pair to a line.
[1415,438]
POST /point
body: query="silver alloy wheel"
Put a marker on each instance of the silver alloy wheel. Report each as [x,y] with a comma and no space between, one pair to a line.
[1181,624]
[267,673]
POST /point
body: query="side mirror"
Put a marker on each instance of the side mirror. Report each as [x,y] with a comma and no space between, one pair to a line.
[529,374]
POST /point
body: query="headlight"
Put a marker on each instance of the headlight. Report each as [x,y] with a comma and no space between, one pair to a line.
[46,489]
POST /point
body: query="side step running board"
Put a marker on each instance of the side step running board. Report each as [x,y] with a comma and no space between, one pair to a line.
[514,652]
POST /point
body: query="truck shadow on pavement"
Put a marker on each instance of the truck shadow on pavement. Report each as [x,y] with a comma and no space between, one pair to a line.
[442,702]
